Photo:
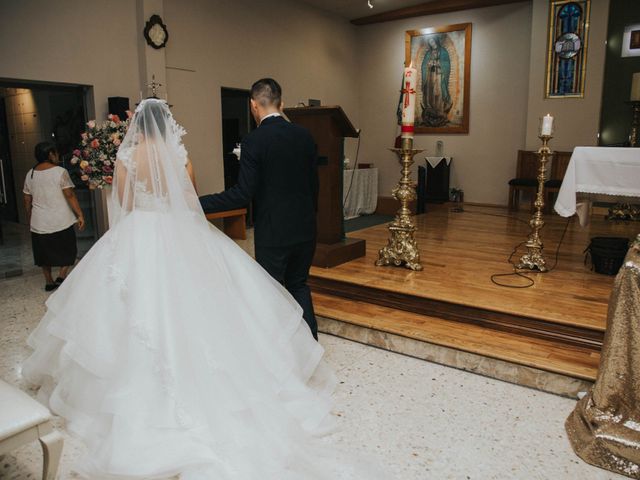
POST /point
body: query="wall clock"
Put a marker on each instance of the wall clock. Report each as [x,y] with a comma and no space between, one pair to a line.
[155,32]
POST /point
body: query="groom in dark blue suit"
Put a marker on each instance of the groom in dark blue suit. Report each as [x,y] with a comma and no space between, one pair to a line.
[278,171]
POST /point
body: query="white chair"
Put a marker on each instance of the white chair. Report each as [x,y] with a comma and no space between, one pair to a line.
[23,420]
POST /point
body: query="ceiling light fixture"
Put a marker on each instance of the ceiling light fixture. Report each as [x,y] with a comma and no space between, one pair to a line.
[370,3]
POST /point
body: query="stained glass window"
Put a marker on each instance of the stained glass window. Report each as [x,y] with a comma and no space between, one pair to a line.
[568,34]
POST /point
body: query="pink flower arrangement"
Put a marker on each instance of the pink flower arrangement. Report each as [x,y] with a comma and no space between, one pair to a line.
[95,157]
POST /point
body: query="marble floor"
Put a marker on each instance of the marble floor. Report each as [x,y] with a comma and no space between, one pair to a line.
[15,250]
[424,420]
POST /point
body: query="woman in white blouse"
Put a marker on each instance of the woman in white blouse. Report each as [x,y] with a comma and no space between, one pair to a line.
[52,211]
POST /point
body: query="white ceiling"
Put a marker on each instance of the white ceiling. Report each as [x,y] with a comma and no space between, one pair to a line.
[351,9]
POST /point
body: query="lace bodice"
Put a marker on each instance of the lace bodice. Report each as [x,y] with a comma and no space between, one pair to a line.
[150,173]
[149,201]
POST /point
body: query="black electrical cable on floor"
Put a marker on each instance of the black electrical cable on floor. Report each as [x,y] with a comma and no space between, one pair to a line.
[519,272]
[355,166]
[515,273]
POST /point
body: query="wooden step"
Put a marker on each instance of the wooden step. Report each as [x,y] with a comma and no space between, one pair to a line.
[471,311]
[573,361]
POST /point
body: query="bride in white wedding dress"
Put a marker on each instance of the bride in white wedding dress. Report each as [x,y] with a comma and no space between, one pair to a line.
[169,351]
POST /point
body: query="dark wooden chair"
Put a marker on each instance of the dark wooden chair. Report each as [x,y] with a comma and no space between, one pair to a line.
[525,179]
[559,164]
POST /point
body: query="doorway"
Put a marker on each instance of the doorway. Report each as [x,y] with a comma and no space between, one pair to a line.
[32,112]
[8,200]
[237,122]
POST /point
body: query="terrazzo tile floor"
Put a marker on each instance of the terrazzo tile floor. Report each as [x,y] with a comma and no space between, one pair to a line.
[423,420]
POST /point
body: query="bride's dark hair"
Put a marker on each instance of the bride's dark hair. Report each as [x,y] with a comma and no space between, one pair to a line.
[158,113]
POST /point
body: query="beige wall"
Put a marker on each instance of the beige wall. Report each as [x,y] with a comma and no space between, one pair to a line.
[577,119]
[484,160]
[227,43]
[311,53]
[77,42]
[72,41]
[314,55]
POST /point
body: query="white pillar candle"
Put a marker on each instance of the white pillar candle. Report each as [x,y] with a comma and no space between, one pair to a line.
[408,101]
[546,127]
[635,87]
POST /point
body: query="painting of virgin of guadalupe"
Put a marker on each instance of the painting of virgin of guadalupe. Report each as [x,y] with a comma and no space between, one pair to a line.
[442,57]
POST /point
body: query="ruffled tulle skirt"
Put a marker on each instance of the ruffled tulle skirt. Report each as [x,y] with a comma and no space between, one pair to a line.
[169,351]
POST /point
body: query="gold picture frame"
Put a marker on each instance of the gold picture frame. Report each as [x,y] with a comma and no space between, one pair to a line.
[442,57]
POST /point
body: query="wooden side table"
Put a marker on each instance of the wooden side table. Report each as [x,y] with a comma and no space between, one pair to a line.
[234,222]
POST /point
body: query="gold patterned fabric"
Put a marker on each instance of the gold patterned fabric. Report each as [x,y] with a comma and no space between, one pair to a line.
[604,428]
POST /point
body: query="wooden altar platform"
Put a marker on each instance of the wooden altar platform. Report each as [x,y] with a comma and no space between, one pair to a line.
[556,326]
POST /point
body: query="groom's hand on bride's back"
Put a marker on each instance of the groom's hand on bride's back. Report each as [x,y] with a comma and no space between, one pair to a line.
[242,192]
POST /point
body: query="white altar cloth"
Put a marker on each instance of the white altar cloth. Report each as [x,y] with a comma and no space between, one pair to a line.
[434,161]
[598,170]
[363,196]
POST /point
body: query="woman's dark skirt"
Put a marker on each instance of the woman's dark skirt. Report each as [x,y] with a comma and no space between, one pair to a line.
[56,249]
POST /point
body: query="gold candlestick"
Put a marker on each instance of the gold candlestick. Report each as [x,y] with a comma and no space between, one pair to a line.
[402,248]
[533,259]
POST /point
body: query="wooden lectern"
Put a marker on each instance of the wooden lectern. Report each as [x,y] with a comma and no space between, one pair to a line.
[328,126]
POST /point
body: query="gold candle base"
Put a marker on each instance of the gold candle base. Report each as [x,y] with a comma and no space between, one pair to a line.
[402,248]
[533,259]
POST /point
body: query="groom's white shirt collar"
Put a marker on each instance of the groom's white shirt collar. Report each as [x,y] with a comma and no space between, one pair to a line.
[274,114]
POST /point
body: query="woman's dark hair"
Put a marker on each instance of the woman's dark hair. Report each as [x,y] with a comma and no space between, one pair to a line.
[43,149]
